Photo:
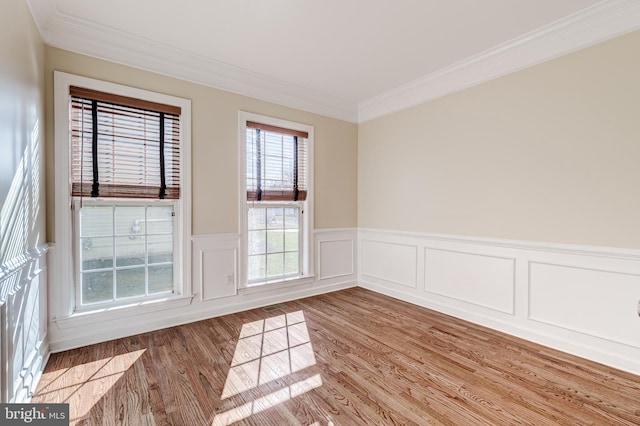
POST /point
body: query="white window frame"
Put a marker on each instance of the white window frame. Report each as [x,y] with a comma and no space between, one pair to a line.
[63,287]
[306,224]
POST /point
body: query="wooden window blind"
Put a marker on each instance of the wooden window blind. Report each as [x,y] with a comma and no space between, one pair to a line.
[123,147]
[276,163]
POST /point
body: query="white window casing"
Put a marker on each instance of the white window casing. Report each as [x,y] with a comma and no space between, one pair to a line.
[64,283]
[306,207]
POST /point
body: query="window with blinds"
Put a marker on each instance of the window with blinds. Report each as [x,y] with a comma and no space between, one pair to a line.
[276,163]
[123,147]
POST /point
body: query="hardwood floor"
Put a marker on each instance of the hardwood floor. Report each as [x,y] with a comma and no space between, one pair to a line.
[351,357]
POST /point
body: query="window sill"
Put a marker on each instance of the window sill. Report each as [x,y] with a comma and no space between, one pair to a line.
[275,285]
[84,318]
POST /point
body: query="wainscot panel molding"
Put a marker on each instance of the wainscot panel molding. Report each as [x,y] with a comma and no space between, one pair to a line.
[23,316]
[395,263]
[579,299]
[336,254]
[215,286]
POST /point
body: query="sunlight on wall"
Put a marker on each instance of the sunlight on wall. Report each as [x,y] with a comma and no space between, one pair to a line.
[18,217]
[269,350]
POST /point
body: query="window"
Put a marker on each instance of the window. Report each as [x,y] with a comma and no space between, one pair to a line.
[123,149]
[276,194]
[129,226]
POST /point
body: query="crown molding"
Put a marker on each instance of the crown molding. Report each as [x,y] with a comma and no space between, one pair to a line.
[67,32]
[604,20]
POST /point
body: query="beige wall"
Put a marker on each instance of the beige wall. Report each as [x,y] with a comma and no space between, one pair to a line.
[214,145]
[22,195]
[551,153]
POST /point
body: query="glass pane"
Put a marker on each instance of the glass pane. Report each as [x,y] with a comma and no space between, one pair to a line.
[160,219]
[275,218]
[97,286]
[96,253]
[291,217]
[291,239]
[257,242]
[130,282]
[257,267]
[160,248]
[275,264]
[273,177]
[291,265]
[275,241]
[160,278]
[96,221]
[130,250]
[130,220]
[256,218]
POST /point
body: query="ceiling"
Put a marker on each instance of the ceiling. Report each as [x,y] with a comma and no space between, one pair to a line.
[350,59]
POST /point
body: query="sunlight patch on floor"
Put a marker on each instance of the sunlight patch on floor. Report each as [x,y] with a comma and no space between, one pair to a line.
[268,350]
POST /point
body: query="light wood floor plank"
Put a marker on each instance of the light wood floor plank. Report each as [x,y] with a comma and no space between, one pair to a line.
[352,357]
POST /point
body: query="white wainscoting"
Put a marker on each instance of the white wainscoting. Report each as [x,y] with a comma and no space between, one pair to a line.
[578,299]
[215,290]
[23,315]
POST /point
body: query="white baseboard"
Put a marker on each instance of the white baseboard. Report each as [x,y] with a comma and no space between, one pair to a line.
[577,299]
[214,261]
[580,300]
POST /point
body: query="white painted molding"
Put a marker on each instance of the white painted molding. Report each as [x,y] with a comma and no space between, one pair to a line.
[578,299]
[70,33]
[580,250]
[18,264]
[605,20]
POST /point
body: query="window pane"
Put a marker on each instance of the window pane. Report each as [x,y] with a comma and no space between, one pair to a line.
[256,218]
[130,251]
[97,286]
[96,253]
[96,221]
[273,172]
[130,221]
[130,282]
[275,264]
[275,241]
[257,242]
[291,239]
[160,278]
[275,217]
[160,248]
[160,220]
[291,263]
[291,217]
[257,267]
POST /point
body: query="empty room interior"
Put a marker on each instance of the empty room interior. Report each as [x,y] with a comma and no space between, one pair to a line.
[321,213]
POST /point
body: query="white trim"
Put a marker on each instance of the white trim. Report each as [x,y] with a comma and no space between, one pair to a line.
[605,20]
[63,298]
[70,33]
[15,265]
[123,311]
[586,306]
[584,250]
[83,336]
